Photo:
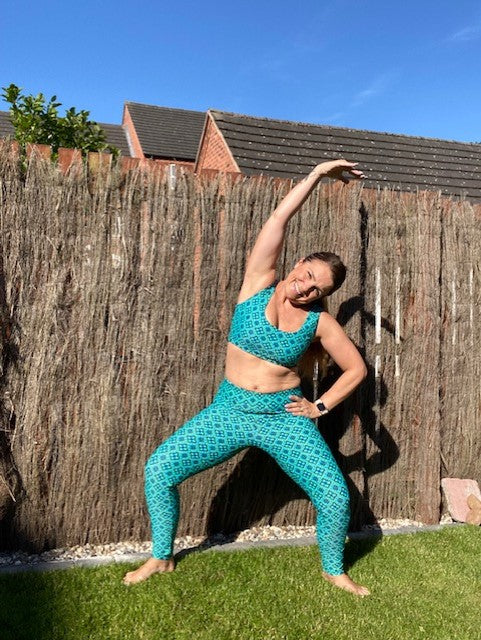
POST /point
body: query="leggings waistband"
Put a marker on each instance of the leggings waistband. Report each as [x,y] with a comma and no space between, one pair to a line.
[246,401]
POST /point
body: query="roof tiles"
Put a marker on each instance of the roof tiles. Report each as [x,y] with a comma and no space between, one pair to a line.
[167,133]
[288,149]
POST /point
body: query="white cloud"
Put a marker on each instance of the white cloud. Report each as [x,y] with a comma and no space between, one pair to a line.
[466,34]
[377,87]
[334,118]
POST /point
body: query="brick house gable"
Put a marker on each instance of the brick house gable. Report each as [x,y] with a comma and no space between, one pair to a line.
[214,153]
[163,133]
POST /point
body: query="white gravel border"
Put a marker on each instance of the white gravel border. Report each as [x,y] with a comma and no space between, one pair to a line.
[267,536]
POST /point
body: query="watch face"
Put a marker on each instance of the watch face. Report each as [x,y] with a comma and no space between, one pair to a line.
[321,406]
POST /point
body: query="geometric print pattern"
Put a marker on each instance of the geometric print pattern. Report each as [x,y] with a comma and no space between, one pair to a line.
[237,419]
[252,332]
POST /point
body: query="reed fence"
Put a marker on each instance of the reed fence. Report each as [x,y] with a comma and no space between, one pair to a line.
[116,290]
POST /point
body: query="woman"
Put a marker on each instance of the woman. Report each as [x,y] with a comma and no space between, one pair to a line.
[259,403]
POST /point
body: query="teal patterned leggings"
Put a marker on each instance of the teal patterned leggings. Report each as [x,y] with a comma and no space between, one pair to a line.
[237,419]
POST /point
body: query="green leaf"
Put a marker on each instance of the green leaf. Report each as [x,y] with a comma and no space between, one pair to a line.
[36,121]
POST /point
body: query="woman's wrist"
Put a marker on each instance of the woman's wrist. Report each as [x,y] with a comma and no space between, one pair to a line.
[318,173]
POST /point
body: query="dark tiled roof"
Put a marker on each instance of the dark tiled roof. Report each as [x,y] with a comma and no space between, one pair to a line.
[114,133]
[6,127]
[289,149]
[116,136]
[167,133]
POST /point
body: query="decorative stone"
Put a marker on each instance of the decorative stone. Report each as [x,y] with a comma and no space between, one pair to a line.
[474,515]
[456,491]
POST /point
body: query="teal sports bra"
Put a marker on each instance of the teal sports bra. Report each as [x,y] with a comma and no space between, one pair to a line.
[252,332]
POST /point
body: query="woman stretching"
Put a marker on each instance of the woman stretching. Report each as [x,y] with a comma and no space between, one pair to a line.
[259,403]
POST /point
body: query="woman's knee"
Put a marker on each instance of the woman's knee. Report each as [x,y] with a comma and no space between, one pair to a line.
[333,492]
[156,467]
[338,485]
[343,494]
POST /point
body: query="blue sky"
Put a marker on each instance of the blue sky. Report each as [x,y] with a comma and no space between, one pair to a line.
[411,68]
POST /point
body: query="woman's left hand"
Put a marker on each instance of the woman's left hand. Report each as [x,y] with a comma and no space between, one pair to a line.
[302,407]
[336,168]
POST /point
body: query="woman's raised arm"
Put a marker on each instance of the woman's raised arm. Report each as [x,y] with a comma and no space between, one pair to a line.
[261,264]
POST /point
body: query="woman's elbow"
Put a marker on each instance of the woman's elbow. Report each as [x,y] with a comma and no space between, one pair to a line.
[360,373]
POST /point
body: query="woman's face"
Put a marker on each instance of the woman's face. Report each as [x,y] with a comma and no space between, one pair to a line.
[308,281]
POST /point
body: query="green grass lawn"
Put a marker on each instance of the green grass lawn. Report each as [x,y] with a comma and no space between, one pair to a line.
[424,585]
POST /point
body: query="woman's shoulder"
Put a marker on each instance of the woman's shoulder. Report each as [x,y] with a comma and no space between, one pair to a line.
[326,323]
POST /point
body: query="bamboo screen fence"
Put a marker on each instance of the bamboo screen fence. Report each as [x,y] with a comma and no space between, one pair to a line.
[116,292]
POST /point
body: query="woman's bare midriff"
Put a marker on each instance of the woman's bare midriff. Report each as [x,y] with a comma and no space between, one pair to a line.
[250,372]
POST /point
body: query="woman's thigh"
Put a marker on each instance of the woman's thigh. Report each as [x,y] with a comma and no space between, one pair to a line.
[300,450]
[207,439]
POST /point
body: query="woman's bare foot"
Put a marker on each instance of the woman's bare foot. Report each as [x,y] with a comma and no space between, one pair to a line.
[343,581]
[153,565]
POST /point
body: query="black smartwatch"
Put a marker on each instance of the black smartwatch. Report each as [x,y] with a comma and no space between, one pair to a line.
[321,407]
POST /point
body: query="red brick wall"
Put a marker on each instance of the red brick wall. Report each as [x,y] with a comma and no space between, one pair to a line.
[70,158]
[187,166]
[132,134]
[214,153]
